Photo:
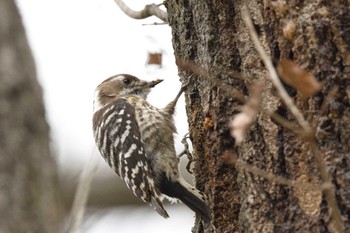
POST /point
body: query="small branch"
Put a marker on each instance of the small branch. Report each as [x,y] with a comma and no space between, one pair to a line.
[285,123]
[153,24]
[232,74]
[192,67]
[280,180]
[330,191]
[148,11]
[81,195]
[273,74]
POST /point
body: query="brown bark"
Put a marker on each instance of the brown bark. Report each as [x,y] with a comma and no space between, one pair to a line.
[28,184]
[316,36]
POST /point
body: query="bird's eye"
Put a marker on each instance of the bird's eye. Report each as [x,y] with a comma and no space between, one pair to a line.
[126,81]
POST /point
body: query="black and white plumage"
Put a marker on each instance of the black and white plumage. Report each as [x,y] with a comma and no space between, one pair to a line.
[136,140]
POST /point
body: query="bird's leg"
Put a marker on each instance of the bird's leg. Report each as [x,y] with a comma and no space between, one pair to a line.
[187,152]
[170,108]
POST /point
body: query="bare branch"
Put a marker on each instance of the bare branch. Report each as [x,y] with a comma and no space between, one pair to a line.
[273,74]
[240,165]
[330,191]
[81,195]
[199,71]
[148,11]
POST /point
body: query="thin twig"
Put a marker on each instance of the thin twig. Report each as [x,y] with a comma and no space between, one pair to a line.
[330,191]
[148,11]
[273,74]
[154,24]
[192,67]
[330,96]
[231,73]
[274,178]
[284,123]
[81,195]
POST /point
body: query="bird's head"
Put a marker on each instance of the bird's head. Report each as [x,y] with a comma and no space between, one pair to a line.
[119,85]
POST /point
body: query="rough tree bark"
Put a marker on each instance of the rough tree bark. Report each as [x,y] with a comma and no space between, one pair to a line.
[29,198]
[316,36]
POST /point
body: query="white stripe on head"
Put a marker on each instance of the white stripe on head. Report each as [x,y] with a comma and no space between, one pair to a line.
[118,77]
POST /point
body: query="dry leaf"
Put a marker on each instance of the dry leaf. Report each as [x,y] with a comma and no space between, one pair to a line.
[154,59]
[304,82]
[241,122]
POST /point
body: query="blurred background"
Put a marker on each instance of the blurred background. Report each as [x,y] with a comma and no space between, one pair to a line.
[77,44]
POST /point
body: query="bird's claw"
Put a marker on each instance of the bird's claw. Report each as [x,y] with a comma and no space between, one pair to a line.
[184,86]
[187,152]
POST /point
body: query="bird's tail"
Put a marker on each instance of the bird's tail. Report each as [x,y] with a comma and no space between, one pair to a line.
[187,194]
[158,206]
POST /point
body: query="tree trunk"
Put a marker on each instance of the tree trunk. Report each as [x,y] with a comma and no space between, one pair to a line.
[29,198]
[316,36]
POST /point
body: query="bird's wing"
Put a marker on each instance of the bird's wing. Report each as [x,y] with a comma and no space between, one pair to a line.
[122,148]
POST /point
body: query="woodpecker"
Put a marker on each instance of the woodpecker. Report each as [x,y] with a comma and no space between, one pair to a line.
[136,139]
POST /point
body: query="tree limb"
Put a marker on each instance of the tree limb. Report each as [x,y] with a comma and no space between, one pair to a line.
[149,10]
[82,195]
[273,74]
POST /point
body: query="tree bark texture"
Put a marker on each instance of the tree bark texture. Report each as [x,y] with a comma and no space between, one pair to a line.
[29,198]
[316,36]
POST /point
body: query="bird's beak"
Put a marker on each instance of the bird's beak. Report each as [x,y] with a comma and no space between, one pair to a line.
[155,82]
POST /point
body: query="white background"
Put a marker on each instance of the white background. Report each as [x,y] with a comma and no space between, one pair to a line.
[77,44]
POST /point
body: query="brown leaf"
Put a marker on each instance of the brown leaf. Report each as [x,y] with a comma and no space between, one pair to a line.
[154,59]
[304,82]
[241,122]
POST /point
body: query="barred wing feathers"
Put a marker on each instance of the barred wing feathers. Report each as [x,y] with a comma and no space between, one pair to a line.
[118,138]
